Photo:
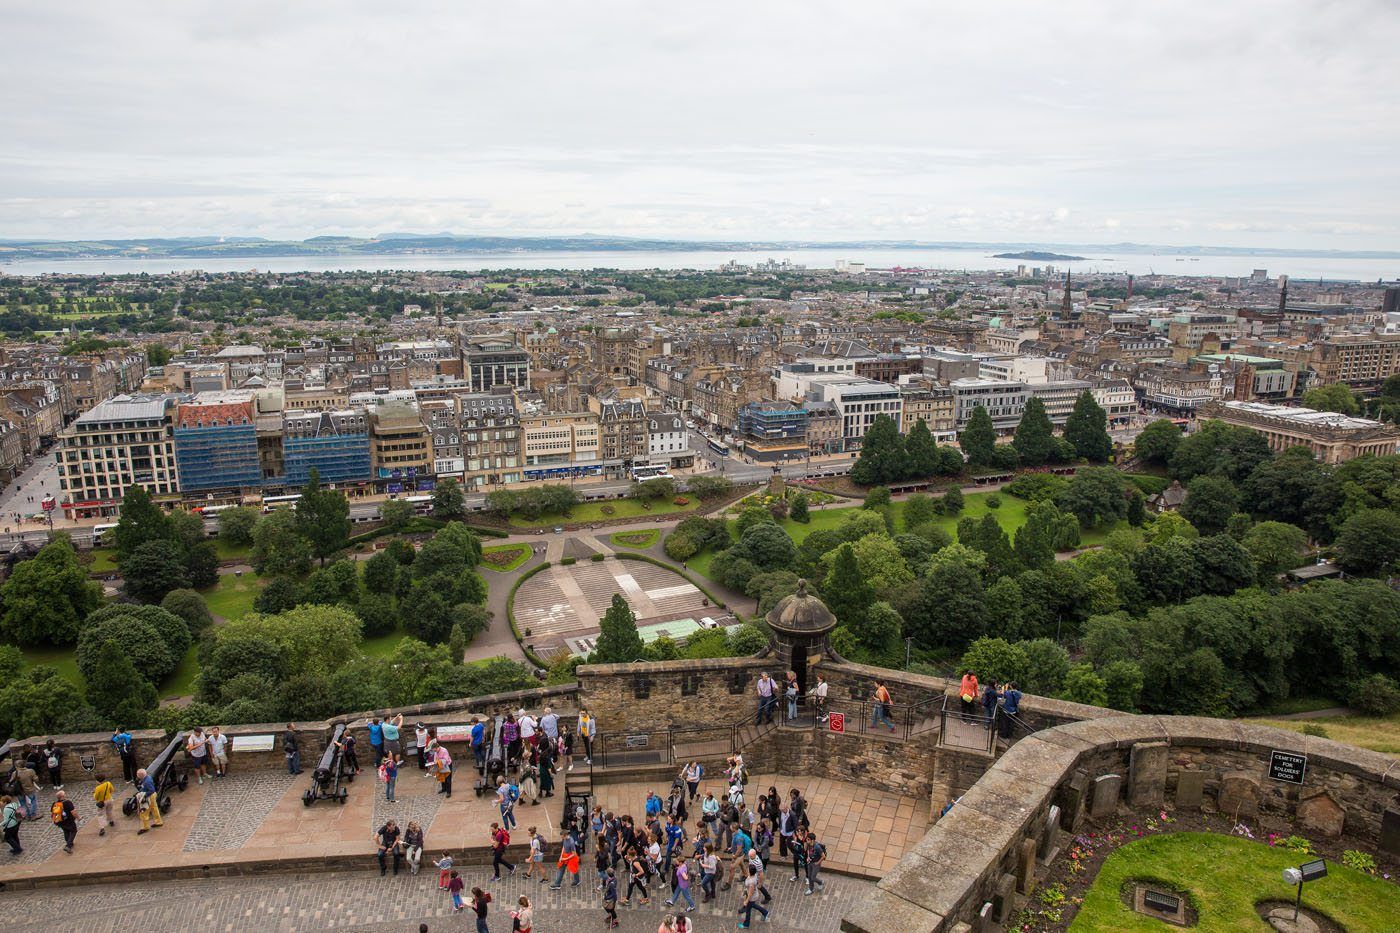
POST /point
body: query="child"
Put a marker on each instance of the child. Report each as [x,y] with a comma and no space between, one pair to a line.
[536,865]
[455,886]
[445,871]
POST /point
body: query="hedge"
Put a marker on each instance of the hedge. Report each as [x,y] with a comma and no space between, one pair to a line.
[510,614]
[648,559]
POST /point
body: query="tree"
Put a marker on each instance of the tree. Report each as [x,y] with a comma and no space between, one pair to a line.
[280,594]
[952,501]
[1034,441]
[154,569]
[39,702]
[186,529]
[1003,604]
[1087,429]
[1376,695]
[979,439]
[618,641]
[662,487]
[322,517]
[189,606]
[337,583]
[377,612]
[1369,542]
[1221,449]
[1082,685]
[950,609]
[1137,508]
[994,661]
[706,488]
[990,538]
[921,453]
[1276,547]
[877,498]
[1123,684]
[918,510]
[879,633]
[1210,501]
[848,594]
[426,614]
[1336,397]
[141,521]
[882,455]
[202,565]
[279,548]
[46,598]
[768,546]
[1157,442]
[448,501]
[1167,572]
[799,511]
[117,690]
[1047,666]
[312,639]
[395,514]
[1292,487]
[236,525]
[457,644]
[1222,564]
[1095,496]
[381,573]
[138,639]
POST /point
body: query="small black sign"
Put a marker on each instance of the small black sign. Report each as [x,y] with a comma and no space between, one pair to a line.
[1287,766]
[638,741]
[1167,903]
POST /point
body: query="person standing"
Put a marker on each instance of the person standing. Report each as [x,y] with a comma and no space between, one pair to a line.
[1011,705]
[53,761]
[500,838]
[529,729]
[766,689]
[815,855]
[392,744]
[387,842]
[882,706]
[28,780]
[694,771]
[11,816]
[65,817]
[102,796]
[546,766]
[413,846]
[122,742]
[197,748]
[389,771]
[819,696]
[147,801]
[790,691]
[218,752]
[347,750]
[610,897]
[523,916]
[549,725]
[968,694]
[990,696]
[442,765]
[291,748]
[420,741]
[376,739]
[479,745]
[566,750]
[587,728]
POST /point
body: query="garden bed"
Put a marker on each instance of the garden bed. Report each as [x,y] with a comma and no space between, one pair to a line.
[639,540]
[505,557]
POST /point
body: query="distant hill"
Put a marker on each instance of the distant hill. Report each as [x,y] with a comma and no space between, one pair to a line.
[1038,256]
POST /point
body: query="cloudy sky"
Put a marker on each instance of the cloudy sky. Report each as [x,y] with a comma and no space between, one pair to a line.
[1269,123]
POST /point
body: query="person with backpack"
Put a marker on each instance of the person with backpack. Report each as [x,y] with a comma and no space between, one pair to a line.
[122,742]
[480,900]
[523,917]
[815,855]
[506,796]
[500,838]
[10,818]
[53,762]
[637,876]
[65,817]
[389,774]
[102,796]
[610,897]
[799,853]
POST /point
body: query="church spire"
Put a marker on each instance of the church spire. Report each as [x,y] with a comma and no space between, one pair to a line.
[1066,306]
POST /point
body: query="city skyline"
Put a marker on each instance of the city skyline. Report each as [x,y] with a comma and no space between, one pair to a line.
[1260,125]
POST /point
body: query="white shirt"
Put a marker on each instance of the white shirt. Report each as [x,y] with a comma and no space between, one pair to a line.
[217,743]
[195,744]
[420,736]
[821,690]
[527,727]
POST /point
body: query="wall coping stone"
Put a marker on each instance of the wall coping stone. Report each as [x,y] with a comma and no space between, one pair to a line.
[683,665]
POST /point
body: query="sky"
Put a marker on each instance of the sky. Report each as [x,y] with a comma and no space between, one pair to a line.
[1188,122]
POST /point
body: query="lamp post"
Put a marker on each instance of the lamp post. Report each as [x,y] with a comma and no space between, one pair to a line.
[1308,871]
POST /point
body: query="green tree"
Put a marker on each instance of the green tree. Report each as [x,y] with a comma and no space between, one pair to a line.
[979,439]
[189,606]
[395,514]
[877,498]
[337,583]
[880,633]
[1220,449]
[117,690]
[1210,501]
[457,644]
[322,517]
[141,521]
[279,548]
[882,455]
[1167,572]
[949,610]
[377,612]
[849,594]
[1003,604]
[1369,542]
[1276,547]
[381,573]
[1294,488]
[1335,397]
[919,510]
[39,702]
[186,529]
[1087,429]
[952,501]
[280,594]
[1082,685]
[618,641]
[448,501]
[994,661]
[1095,496]
[312,639]
[800,513]
[1157,442]
[152,570]
[46,598]
[706,488]
[1137,508]
[202,565]
[158,354]
[1123,684]
[236,526]
[139,640]
[768,547]
[426,613]
[1047,666]
[1034,441]
[921,452]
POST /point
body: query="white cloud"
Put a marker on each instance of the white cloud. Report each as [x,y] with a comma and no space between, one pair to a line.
[1249,122]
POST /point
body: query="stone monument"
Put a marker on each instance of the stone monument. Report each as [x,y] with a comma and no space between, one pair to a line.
[800,624]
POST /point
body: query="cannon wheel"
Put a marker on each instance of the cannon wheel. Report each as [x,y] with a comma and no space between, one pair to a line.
[129,806]
[183,781]
[164,801]
[308,797]
[340,798]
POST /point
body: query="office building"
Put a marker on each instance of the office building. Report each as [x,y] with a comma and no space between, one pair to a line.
[121,442]
[1004,400]
[490,361]
[335,443]
[216,442]
[1332,437]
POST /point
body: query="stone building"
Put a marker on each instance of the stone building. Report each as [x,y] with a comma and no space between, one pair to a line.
[1332,437]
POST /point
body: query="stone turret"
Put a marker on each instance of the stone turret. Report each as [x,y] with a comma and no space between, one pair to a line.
[800,624]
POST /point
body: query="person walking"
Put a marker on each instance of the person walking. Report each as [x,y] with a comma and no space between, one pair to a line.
[147,801]
[65,817]
[610,898]
[968,693]
[413,846]
[881,706]
[122,742]
[11,815]
[445,872]
[587,728]
[387,842]
[637,875]
[389,774]
[500,838]
[506,795]
[523,917]
[751,903]
[815,855]
[568,861]
[455,885]
[28,780]
[709,868]
[683,885]
[535,866]
[197,748]
[218,752]
[480,902]
[566,750]
[693,773]
[291,748]
[766,689]
[102,796]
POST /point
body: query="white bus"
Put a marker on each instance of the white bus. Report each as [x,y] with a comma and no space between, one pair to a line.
[99,534]
[645,471]
[276,502]
[210,510]
[422,505]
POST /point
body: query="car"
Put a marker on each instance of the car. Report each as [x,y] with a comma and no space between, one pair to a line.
[559,529]
[707,622]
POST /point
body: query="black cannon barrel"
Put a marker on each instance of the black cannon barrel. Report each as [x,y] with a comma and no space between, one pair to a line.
[162,762]
[326,767]
[496,758]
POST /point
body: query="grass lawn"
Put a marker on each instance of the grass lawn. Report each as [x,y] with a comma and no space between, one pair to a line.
[65,659]
[1379,734]
[383,646]
[511,555]
[233,596]
[1227,875]
[181,680]
[593,512]
[639,540]
[104,560]
[228,551]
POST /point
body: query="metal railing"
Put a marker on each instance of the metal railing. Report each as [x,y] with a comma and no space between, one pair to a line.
[961,727]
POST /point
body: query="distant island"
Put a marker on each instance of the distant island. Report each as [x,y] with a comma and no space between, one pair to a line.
[1037,256]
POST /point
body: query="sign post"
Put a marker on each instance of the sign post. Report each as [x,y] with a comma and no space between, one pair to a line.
[1287,766]
[837,722]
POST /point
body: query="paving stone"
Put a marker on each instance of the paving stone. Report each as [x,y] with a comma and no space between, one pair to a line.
[233,807]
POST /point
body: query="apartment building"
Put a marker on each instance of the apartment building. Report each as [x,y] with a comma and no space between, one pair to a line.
[668,441]
[35,407]
[216,442]
[1058,397]
[12,458]
[489,424]
[1117,398]
[1004,400]
[622,427]
[561,445]
[1332,437]
[120,442]
[932,404]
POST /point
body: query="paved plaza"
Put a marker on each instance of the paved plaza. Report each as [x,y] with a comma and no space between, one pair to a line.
[568,602]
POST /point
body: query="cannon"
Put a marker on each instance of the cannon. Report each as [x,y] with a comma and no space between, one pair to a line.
[329,773]
[165,773]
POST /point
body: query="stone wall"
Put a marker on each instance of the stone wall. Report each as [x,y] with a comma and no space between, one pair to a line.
[665,694]
[986,848]
[98,745]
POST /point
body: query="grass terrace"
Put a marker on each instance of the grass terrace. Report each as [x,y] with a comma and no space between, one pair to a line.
[637,540]
[596,512]
[505,557]
[1378,733]
[233,596]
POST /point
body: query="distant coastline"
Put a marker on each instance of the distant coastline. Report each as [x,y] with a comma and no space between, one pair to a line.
[1037,256]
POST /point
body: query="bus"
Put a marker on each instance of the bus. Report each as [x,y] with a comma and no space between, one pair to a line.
[211,510]
[721,449]
[276,502]
[422,505]
[645,471]
[99,534]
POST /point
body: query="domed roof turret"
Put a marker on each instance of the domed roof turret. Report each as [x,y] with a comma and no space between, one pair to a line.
[801,614]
